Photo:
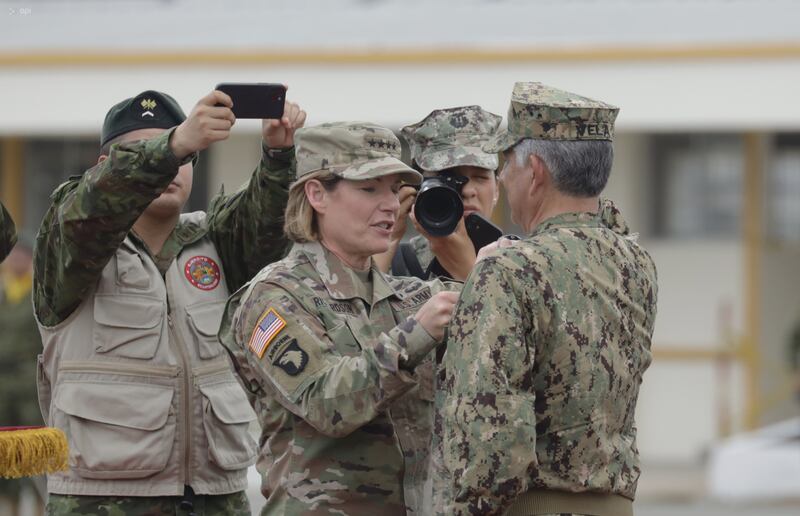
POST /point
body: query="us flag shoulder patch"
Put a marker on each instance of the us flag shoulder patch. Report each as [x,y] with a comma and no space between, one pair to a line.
[268,325]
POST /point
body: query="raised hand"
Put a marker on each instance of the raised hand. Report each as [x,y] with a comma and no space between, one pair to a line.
[210,121]
[279,134]
[436,313]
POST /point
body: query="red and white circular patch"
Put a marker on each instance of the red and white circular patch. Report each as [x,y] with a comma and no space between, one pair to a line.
[202,272]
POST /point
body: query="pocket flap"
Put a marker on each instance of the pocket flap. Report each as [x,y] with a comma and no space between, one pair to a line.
[229,402]
[143,407]
[121,311]
[207,316]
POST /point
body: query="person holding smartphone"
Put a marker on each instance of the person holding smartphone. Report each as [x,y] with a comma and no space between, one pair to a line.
[129,293]
[447,141]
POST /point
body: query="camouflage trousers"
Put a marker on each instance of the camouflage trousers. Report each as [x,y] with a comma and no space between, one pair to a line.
[235,504]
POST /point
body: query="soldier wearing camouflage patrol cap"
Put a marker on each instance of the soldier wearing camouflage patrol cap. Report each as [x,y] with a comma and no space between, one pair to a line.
[8,233]
[446,142]
[129,293]
[551,336]
[337,355]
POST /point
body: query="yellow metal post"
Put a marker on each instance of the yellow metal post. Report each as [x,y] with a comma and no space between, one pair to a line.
[753,233]
[11,177]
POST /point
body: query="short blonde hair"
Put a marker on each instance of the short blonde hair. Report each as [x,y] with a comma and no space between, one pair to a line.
[300,219]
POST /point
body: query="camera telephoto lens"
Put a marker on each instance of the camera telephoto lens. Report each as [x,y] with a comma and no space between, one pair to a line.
[438,207]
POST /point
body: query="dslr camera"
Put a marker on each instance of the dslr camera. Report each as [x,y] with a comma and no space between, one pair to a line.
[438,207]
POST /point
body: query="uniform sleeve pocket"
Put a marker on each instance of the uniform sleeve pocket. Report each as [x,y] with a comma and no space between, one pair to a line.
[128,326]
[116,430]
[205,319]
[226,417]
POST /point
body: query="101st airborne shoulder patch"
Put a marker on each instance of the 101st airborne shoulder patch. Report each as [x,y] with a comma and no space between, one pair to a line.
[267,327]
[293,360]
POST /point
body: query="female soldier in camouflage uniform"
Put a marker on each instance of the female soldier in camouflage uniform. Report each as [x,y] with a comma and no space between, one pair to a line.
[446,142]
[335,354]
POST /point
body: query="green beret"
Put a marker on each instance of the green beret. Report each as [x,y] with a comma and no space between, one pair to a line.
[149,109]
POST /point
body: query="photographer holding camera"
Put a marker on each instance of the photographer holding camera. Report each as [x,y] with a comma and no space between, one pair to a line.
[459,180]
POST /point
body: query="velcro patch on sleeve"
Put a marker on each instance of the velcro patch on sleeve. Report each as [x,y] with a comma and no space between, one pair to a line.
[267,327]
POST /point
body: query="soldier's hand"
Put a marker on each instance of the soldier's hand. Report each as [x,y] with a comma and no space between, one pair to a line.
[279,134]
[407,197]
[384,260]
[436,313]
[455,251]
[210,121]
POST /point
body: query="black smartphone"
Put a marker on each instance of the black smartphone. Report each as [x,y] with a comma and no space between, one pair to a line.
[481,231]
[255,100]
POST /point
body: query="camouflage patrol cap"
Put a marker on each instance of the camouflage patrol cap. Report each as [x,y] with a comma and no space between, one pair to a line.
[453,137]
[351,150]
[146,110]
[546,113]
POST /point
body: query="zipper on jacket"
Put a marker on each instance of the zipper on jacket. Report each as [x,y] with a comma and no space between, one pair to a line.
[187,399]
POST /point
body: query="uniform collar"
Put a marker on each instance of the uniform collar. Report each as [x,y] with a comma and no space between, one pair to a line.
[608,216]
[187,231]
[340,280]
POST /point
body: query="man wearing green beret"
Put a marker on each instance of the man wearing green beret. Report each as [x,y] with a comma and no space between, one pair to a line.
[551,336]
[129,293]
[8,233]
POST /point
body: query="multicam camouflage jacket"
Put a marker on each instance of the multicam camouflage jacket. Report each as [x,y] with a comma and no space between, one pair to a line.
[8,233]
[546,352]
[91,215]
[341,377]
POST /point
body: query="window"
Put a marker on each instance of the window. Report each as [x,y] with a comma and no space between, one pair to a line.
[698,185]
[783,189]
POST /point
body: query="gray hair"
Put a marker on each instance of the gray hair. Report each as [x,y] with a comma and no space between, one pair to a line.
[578,167]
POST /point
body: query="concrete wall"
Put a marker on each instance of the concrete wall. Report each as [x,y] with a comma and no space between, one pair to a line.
[780,316]
[651,93]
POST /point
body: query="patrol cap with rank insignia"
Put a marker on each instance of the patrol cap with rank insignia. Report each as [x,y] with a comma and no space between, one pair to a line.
[350,150]
[453,137]
[546,113]
[149,109]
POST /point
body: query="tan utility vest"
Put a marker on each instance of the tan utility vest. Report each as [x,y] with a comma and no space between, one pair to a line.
[137,380]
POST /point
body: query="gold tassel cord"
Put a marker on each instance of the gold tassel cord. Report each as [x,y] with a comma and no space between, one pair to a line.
[28,452]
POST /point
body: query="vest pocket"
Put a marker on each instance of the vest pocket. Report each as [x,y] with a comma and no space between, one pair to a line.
[206,318]
[128,325]
[226,417]
[116,430]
